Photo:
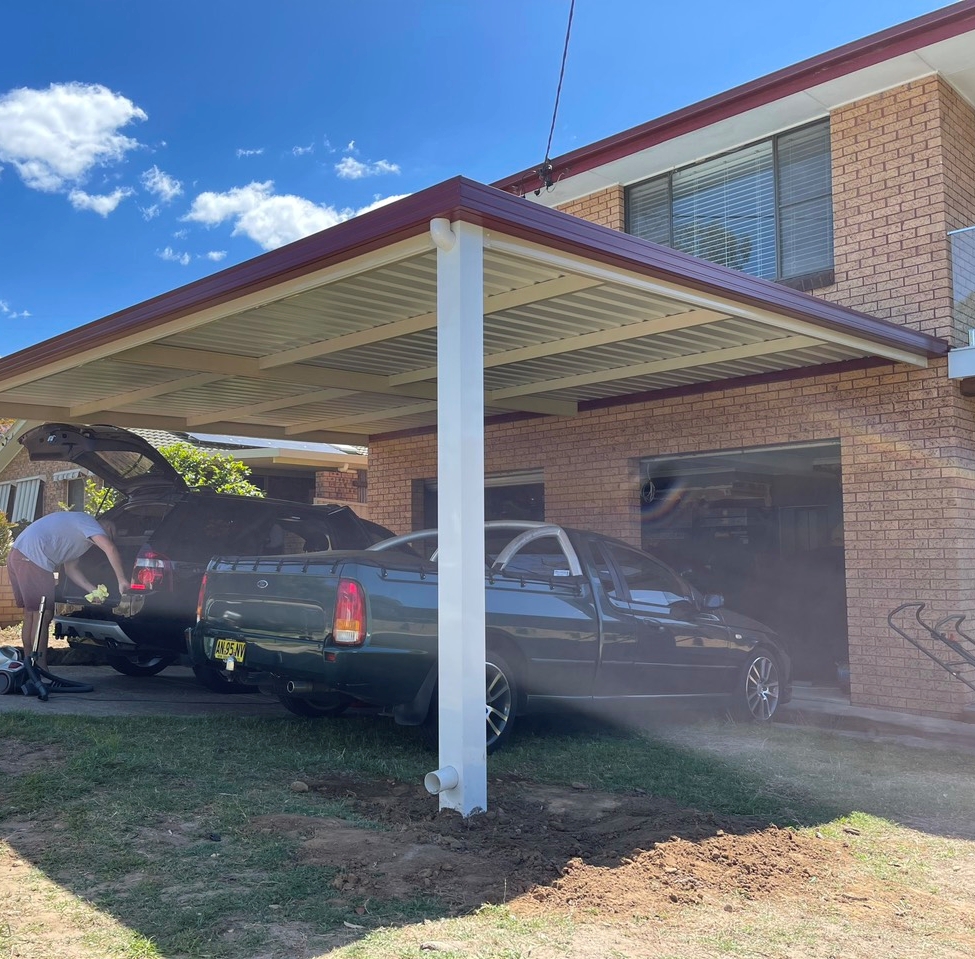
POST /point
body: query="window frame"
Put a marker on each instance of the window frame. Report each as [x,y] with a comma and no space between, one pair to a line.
[803,282]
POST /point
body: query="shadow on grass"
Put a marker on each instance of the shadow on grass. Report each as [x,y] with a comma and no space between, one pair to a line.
[193,834]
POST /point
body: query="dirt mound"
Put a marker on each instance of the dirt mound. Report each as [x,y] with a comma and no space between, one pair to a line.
[542,848]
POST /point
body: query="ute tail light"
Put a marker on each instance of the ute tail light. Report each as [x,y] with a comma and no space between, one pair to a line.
[350,614]
[153,572]
[199,599]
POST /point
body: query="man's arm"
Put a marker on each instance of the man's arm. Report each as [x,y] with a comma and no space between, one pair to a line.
[73,571]
[111,551]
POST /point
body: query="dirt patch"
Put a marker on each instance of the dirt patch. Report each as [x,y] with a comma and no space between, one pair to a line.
[542,848]
[19,758]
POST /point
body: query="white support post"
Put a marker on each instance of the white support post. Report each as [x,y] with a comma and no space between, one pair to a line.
[461,781]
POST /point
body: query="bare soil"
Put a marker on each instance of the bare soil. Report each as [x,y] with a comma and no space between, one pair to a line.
[542,849]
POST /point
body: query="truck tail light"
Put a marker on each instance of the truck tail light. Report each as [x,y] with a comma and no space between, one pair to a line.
[153,572]
[350,614]
[199,598]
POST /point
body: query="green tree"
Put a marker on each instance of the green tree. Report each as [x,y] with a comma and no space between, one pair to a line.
[200,469]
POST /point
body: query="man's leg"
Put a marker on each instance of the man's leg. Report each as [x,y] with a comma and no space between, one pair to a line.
[27,631]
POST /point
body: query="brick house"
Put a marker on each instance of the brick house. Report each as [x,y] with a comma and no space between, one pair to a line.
[791,421]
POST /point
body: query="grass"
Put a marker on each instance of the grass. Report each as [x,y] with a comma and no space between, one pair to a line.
[136,836]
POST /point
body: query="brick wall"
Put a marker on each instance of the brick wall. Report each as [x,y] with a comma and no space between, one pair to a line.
[902,178]
[10,615]
[334,486]
[605,207]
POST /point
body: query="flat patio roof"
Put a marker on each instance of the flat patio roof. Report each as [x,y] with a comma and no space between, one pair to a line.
[334,338]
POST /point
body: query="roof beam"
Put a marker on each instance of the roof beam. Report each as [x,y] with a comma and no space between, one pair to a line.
[171,357]
[781,345]
[560,286]
[148,392]
[282,402]
[373,416]
[632,331]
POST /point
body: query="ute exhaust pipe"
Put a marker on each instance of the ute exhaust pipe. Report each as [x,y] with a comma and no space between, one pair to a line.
[299,689]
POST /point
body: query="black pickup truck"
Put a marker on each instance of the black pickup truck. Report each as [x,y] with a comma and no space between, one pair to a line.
[573,618]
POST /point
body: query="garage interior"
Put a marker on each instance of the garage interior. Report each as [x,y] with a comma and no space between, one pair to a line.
[764,528]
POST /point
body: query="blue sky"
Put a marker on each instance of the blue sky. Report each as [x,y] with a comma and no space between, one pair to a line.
[144,146]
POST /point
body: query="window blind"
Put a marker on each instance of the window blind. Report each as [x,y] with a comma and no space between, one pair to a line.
[765,209]
[25,502]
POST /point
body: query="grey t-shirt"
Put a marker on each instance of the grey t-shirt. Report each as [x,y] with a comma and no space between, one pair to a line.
[57,538]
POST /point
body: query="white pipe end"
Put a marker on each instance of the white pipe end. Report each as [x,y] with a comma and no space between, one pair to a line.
[442,779]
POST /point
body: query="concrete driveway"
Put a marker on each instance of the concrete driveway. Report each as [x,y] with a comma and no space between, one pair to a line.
[173,692]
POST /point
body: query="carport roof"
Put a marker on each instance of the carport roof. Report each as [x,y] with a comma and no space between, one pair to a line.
[333,338]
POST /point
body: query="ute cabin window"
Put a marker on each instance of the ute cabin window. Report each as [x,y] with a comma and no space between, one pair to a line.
[648,582]
[765,209]
[541,558]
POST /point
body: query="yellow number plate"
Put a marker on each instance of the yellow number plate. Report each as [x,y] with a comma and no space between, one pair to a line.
[227,648]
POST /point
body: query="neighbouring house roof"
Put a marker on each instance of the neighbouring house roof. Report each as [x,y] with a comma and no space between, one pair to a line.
[333,338]
[941,42]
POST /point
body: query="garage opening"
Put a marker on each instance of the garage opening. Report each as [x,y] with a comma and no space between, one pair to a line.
[763,527]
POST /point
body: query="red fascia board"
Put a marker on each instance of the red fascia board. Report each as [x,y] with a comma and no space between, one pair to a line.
[467,200]
[904,38]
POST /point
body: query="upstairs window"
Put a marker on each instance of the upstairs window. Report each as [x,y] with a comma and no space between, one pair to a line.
[765,209]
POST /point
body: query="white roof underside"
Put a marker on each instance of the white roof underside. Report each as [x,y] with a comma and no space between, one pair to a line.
[353,353]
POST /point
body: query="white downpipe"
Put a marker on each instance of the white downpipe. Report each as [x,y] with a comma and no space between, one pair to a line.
[443,237]
[460,484]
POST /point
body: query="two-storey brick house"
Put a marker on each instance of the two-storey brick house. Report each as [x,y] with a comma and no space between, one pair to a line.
[792,426]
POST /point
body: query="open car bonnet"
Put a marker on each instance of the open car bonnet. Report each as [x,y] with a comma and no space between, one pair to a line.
[121,459]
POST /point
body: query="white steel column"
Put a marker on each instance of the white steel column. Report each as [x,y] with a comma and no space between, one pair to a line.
[461,781]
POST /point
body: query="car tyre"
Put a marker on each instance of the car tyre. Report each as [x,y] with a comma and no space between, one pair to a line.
[759,688]
[500,703]
[142,664]
[312,710]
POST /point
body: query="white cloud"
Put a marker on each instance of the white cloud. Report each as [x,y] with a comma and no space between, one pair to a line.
[216,255]
[181,234]
[173,257]
[301,151]
[266,218]
[250,153]
[10,314]
[55,137]
[352,169]
[102,204]
[149,212]
[161,184]
[350,147]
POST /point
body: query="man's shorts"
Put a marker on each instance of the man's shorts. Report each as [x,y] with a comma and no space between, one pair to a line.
[30,583]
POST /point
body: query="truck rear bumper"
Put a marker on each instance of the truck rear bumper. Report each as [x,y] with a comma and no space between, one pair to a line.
[93,632]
